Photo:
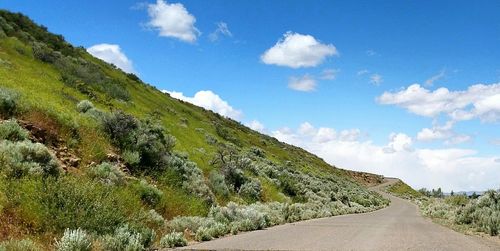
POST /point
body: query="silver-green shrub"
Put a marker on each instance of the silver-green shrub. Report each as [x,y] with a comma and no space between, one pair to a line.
[18,159]
[74,240]
[151,218]
[191,223]
[12,131]
[482,213]
[125,238]
[131,157]
[8,103]
[233,212]
[218,184]
[84,106]
[150,194]
[203,234]
[107,173]
[251,190]
[193,179]
[174,239]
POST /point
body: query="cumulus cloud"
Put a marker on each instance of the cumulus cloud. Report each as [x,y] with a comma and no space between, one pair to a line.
[173,20]
[329,74]
[429,134]
[398,142]
[307,132]
[376,79]
[210,101]
[304,83]
[444,132]
[256,126]
[296,50]
[112,53]
[449,168]
[478,101]
[431,80]
[221,30]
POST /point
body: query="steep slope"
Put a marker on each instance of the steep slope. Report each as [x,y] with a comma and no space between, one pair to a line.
[112,139]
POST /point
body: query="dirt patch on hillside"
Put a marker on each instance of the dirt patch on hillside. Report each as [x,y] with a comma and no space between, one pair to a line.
[366,179]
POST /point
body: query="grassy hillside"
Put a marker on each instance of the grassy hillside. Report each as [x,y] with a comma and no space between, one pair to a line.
[89,153]
[402,190]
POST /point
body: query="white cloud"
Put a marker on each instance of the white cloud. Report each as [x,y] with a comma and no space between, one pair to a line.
[362,72]
[256,126]
[450,168]
[398,142]
[445,133]
[210,101]
[307,132]
[305,83]
[427,134]
[221,30]
[478,101]
[458,139]
[436,132]
[431,80]
[112,53]
[296,50]
[329,74]
[173,20]
[376,79]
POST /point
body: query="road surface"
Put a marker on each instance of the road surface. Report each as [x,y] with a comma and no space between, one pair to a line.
[397,227]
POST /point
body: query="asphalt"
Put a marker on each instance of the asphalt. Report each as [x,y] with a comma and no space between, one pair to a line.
[396,227]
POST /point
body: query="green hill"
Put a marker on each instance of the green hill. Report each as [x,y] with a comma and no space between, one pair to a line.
[87,146]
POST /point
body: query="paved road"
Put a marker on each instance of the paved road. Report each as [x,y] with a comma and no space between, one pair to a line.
[397,227]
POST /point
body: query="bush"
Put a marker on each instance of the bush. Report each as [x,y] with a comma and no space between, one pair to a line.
[121,128]
[18,159]
[191,223]
[247,218]
[150,218]
[12,131]
[145,143]
[149,194]
[203,234]
[107,173]
[19,245]
[173,239]
[152,144]
[131,158]
[74,240]
[251,190]
[8,103]
[192,176]
[218,229]
[258,152]
[43,53]
[128,239]
[482,213]
[84,106]
[218,184]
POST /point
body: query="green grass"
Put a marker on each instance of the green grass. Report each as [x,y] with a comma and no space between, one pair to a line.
[402,190]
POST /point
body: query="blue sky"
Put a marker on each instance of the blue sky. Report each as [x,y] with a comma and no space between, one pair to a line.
[320,92]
